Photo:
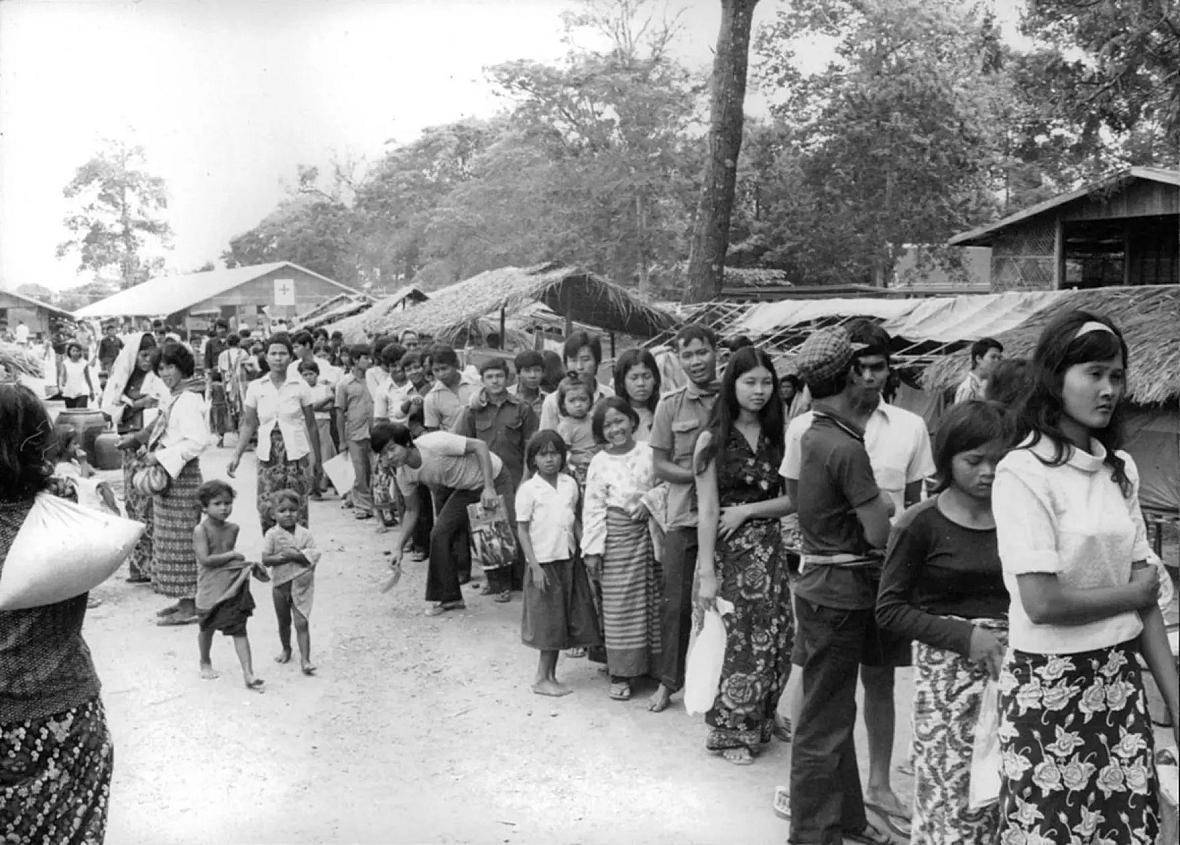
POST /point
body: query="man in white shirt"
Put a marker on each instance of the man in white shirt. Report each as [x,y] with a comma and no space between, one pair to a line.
[582,355]
[898,446]
[986,353]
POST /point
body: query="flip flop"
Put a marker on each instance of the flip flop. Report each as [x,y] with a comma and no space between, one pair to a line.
[620,691]
[503,597]
[442,607]
[870,835]
[896,822]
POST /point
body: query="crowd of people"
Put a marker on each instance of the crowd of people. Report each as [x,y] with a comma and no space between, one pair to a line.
[1007,558]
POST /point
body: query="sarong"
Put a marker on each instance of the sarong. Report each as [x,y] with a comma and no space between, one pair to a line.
[759,633]
[138,507]
[230,614]
[561,615]
[55,778]
[299,592]
[176,513]
[1077,747]
[948,692]
[278,473]
[631,596]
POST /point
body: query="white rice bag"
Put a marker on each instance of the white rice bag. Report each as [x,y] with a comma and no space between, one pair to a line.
[61,551]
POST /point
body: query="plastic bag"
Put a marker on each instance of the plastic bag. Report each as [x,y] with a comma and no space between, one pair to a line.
[702,672]
[985,753]
[493,543]
[340,472]
[1169,785]
[63,550]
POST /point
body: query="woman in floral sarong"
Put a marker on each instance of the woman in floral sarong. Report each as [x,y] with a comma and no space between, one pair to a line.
[943,589]
[1074,731]
[741,558]
[279,409]
[131,387]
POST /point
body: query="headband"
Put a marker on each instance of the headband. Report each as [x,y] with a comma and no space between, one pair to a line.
[1092,326]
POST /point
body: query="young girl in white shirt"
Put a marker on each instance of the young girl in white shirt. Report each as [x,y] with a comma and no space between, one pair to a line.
[558,607]
[1074,731]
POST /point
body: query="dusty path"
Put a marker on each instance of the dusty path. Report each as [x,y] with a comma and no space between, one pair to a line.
[414,729]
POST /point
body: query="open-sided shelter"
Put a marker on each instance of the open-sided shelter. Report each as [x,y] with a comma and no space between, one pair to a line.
[454,313]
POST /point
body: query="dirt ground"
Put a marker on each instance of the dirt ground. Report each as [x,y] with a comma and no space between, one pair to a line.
[414,729]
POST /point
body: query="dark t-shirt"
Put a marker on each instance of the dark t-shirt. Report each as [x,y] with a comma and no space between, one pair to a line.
[214,346]
[835,478]
[934,568]
[108,349]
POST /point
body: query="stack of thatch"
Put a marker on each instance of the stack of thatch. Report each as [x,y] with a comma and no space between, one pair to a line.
[1149,318]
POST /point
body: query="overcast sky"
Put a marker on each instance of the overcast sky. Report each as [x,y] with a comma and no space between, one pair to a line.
[228,97]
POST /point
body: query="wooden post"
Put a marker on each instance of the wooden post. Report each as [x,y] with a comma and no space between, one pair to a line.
[503,334]
[612,345]
[1059,255]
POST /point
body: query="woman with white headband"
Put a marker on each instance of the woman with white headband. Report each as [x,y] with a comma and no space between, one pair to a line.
[1075,735]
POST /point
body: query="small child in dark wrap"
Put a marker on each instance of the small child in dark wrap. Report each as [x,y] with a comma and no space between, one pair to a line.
[224,602]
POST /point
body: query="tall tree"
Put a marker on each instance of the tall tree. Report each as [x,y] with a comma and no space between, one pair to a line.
[120,218]
[710,234]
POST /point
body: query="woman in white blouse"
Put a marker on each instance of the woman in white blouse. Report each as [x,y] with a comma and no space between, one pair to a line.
[1074,730]
[175,442]
[280,409]
[617,547]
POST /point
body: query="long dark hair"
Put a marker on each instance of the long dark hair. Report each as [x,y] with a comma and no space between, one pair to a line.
[726,409]
[967,426]
[635,358]
[27,443]
[1059,348]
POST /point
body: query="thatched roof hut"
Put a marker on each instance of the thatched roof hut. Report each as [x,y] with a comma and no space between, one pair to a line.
[574,293]
[1148,316]
[341,307]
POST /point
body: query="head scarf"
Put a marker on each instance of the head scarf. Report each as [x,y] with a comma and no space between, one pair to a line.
[120,375]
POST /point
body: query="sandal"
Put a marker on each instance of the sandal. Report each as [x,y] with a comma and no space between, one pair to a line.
[738,756]
[443,606]
[870,835]
[620,690]
[575,652]
[503,597]
[177,619]
[896,822]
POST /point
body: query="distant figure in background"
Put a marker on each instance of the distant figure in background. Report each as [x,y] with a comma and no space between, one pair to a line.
[219,421]
[74,377]
[792,388]
[22,333]
[108,348]
[986,353]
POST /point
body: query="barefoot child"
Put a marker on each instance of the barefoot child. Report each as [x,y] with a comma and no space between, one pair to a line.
[224,602]
[289,549]
[558,608]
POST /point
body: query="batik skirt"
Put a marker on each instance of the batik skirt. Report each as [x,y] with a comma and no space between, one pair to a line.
[279,473]
[138,507]
[632,592]
[948,692]
[759,632]
[175,514]
[55,778]
[1076,742]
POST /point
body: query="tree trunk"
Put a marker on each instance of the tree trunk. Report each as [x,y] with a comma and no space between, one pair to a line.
[710,234]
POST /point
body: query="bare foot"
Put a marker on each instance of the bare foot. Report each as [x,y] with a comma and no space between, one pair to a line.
[283,656]
[548,687]
[207,672]
[659,700]
[887,800]
[255,685]
[306,667]
[738,756]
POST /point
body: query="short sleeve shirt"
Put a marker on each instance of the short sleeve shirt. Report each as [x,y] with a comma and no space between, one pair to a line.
[678,420]
[445,463]
[441,406]
[281,406]
[352,397]
[835,478]
[550,512]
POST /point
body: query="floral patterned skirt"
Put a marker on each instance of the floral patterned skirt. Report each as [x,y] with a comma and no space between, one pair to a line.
[752,575]
[279,473]
[948,692]
[55,778]
[1077,744]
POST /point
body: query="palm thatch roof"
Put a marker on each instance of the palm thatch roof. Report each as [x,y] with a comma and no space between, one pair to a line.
[570,291]
[1148,316]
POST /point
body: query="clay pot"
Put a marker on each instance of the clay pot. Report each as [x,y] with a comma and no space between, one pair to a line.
[87,423]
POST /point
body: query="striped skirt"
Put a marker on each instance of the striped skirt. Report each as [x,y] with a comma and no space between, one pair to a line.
[138,507]
[631,597]
[55,778]
[948,692]
[175,513]
[1077,748]
[279,473]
